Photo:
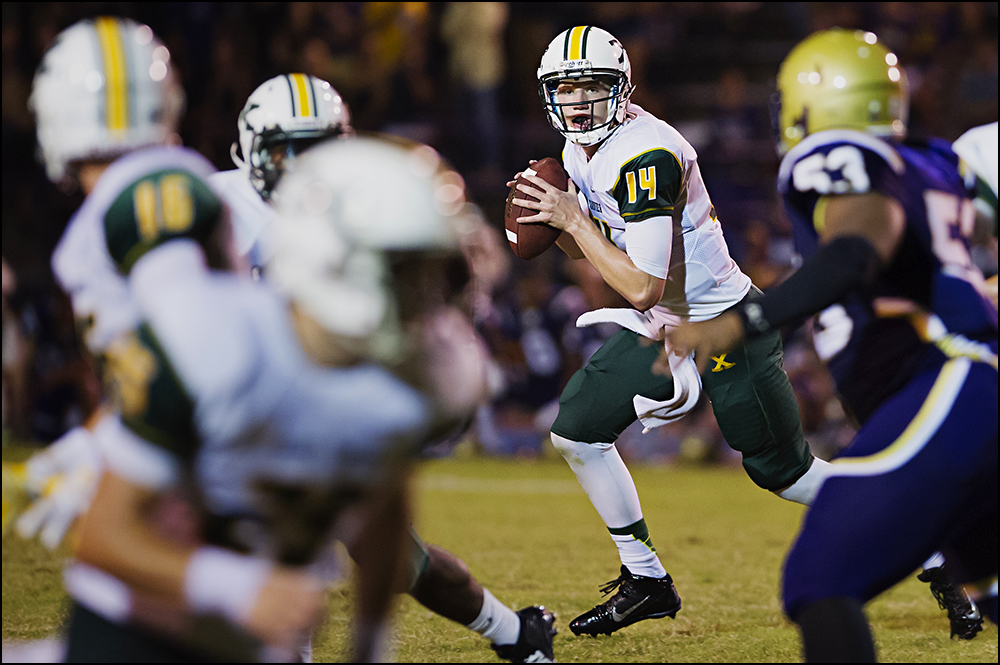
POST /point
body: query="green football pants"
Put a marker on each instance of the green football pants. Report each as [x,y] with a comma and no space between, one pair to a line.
[750,393]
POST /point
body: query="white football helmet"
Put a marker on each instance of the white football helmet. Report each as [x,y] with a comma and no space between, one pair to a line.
[347,214]
[282,117]
[105,87]
[585,52]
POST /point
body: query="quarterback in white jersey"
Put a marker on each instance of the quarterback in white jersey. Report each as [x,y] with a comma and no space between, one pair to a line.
[638,210]
[637,187]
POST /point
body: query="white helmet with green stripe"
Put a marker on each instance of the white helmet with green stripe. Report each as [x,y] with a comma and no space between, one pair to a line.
[282,117]
[105,87]
[586,52]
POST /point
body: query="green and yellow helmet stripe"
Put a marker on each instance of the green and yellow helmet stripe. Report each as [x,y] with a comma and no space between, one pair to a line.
[575,47]
[115,73]
[303,96]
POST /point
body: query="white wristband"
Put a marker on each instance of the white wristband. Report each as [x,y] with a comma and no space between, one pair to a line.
[224,582]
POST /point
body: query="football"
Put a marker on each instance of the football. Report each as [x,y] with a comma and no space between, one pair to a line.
[530,240]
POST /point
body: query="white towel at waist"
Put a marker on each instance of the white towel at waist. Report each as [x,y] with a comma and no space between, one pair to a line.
[687,381]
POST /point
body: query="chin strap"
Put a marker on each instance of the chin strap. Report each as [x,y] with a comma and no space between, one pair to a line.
[237,160]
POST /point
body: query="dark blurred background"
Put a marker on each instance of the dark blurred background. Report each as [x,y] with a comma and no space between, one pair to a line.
[461,77]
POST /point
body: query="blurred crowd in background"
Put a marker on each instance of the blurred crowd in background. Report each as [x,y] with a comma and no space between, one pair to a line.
[461,77]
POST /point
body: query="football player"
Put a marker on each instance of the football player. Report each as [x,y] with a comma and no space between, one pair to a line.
[106,102]
[908,334]
[229,386]
[125,103]
[638,210]
[283,118]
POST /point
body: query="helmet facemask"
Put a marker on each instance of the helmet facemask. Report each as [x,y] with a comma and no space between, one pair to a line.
[274,151]
[282,118]
[602,113]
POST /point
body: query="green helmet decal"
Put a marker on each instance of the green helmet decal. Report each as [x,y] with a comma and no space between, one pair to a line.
[841,79]
[160,206]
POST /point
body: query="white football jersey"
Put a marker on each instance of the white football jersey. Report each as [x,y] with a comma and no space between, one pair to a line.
[81,263]
[644,189]
[214,390]
[250,216]
[219,385]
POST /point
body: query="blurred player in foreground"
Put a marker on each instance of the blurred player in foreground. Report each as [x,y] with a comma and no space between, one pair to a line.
[909,336]
[104,91]
[227,394]
[283,119]
[125,99]
[653,235]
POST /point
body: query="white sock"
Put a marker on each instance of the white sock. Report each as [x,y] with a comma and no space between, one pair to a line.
[496,622]
[936,561]
[609,486]
[638,557]
[805,489]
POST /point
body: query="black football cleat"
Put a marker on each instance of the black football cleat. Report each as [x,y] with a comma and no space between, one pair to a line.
[638,598]
[534,643]
[966,619]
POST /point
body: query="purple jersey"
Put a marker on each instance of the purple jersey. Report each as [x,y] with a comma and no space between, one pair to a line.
[876,339]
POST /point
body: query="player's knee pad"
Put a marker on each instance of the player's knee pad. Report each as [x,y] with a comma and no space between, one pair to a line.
[577,452]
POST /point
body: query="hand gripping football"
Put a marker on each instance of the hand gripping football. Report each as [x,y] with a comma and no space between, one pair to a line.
[530,240]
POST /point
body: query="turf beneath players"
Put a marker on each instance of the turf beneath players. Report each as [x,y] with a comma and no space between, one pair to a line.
[529,534]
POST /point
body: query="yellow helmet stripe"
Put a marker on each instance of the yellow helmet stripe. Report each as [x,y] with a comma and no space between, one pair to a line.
[301,93]
[576,43]
[115,73]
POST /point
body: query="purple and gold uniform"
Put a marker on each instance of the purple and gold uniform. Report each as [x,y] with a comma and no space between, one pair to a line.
[914,355]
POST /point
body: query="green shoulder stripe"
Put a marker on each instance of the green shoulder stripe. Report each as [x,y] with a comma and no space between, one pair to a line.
[157,207]
[150,395]
[649,185]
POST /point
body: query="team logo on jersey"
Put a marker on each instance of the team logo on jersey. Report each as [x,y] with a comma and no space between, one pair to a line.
[721,364]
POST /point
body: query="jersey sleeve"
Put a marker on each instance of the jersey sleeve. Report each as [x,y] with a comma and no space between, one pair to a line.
[159,206]
[149,394]
[648,185]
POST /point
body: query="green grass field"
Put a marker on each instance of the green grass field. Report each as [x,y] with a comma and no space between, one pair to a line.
[530,535]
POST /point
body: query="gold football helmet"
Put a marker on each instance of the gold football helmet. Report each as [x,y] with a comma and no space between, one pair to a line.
[840,79]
